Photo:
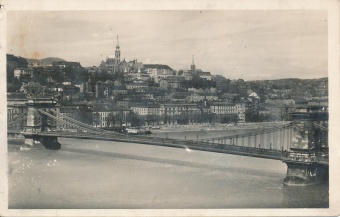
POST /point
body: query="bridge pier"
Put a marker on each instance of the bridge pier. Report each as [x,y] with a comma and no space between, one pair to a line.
[305,173]
[37,123]
[34,141]
[308,159]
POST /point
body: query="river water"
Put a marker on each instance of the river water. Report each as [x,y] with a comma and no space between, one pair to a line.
[100,174]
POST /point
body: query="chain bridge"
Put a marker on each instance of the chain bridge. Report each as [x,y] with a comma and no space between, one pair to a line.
[302,143]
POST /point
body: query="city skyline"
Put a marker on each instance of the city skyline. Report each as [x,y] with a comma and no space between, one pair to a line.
[255,45]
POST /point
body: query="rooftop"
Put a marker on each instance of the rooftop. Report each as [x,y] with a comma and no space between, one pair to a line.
[221,104]
[157,66]
[16,96]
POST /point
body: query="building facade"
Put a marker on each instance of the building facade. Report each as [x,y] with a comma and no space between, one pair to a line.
[158,71]
[112,63]
[19,72]
[225,108]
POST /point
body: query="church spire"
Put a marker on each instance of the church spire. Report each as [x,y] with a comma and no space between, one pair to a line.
[117,53]
[117,46]
[192,64]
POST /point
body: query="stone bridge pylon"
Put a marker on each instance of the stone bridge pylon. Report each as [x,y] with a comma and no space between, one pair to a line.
[308,158]
[37,123]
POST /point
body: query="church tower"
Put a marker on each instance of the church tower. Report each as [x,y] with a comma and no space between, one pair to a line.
[192,64]
[117,53]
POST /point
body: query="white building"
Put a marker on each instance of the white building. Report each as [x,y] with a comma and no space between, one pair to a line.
[158,71]
[226,108]
[21,71]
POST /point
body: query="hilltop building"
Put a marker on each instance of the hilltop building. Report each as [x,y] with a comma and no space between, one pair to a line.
[158,71]
[63,64]
[132,70]
[22,72]
[112,63]
[239,87]
[188,74]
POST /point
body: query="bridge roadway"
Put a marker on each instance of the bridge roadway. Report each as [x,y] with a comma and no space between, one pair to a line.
[175,143]
[193,145]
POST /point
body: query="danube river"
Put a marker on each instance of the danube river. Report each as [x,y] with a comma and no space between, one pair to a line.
[100,174]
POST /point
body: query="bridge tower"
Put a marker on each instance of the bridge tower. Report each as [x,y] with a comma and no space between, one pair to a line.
[307,159]
[37,123]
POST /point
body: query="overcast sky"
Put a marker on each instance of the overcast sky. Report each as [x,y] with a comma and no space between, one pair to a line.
[253,45]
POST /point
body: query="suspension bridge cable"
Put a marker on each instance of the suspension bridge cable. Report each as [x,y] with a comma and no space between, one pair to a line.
[68,123]
[320,127]
[261,131]
[81,123]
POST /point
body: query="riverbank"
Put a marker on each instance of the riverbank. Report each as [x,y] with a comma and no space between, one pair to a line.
[198,132]
[216,127]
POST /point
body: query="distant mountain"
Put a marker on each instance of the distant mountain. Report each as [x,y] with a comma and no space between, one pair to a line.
[33,60]
[48,60]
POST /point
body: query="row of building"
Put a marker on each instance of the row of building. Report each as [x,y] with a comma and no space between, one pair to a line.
[101,114]
[104,114]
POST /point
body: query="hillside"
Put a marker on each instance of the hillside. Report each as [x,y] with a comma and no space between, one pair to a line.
[48,60]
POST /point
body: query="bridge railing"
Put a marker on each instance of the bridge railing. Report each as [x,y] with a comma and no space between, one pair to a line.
[305,157]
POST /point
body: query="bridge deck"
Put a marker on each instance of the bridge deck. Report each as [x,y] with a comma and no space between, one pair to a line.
[186,144]
[193,145]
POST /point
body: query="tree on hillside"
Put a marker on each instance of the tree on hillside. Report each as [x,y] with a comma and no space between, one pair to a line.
[152,83]
[212,117]
[134,119]
[14,62]
[118,75]
[33,89]
[226,119]
[14,86]
[119,117]
[76,74]
[111,119]
[56,73]
[96,119]
[42,78]
[25,78]
[198,83]
[268,117]
[183,118]
[252,116]
[85,115]
[152,119]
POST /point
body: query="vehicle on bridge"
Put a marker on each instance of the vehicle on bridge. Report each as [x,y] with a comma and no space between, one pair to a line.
[132,131]
[137,131]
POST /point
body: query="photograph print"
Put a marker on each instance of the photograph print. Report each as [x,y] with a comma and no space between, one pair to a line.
[167,109]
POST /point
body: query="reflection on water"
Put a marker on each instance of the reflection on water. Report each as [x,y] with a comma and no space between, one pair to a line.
[100,174]
[311,196]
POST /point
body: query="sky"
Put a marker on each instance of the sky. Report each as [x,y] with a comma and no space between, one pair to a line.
[247,44]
